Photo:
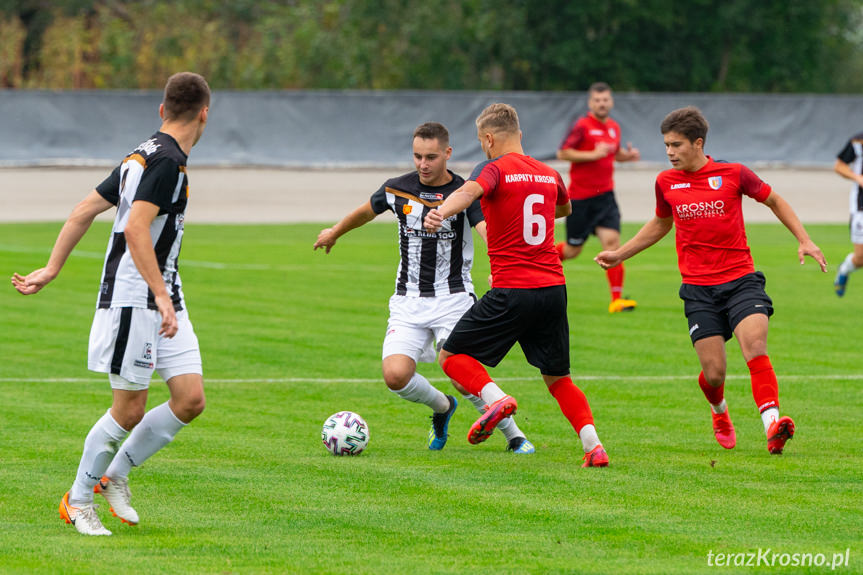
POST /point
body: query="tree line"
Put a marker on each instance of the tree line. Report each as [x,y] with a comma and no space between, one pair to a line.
[635,45]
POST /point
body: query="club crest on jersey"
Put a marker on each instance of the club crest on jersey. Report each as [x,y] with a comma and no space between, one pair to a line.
[715,182]
[407,208]
[612,132]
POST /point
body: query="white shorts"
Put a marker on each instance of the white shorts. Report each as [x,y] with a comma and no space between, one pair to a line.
[418,326]
[125,342]
[857,227]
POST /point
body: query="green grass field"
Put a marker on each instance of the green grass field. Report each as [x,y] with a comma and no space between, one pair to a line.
[290,336]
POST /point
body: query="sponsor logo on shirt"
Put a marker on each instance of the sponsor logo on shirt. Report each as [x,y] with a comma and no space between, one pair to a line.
[439,235]
[681,186]
[148,147]
[695,210]
[715,182]
[430,196]
[530,178]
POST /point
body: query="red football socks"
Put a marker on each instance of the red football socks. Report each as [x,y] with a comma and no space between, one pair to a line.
[572,403]
[467,371]
[615,281]
[765,388]
[714,395]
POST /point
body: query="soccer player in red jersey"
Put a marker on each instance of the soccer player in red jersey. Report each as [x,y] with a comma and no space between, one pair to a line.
[721,291]
[592,146]
[520,198]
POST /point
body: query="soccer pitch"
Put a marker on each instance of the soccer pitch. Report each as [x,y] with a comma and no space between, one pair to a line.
[290,336]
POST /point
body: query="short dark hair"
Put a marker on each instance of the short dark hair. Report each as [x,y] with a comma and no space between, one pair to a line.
[498,118]
[433,131]
[688,121]
[599,87]
[185,94]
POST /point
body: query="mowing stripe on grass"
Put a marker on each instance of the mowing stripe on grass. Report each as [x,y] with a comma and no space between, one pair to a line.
[831,377]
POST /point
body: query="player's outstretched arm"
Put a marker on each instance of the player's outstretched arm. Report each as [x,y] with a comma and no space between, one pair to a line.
[456,202]
[359,217]
[785,213]
[627,154]
[76,226]
[649,234]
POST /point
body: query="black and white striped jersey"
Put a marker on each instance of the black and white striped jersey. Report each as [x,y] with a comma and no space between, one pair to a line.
[852,154]
[431,264]
[154,172]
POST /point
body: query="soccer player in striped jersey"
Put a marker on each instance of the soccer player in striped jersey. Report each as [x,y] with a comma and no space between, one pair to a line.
[433,284]
[141,323]
[849,165]
[520,197]
[723,295]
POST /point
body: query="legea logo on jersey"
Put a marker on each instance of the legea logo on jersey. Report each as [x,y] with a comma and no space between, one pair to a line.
[715,182]
[148,147]
[700,210]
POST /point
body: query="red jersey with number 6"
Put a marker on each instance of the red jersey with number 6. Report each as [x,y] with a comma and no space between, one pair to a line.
[518,202]
[708,214]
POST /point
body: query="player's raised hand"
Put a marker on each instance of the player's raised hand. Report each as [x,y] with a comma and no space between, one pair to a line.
[632,154]
[433,221]
[607,259]
[808,248]
[326,239]
[32,282]
[603,149]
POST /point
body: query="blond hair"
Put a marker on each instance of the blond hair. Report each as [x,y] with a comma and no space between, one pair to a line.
[498,118]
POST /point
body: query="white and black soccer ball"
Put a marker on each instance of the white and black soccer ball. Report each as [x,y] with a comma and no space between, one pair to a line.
[345,433]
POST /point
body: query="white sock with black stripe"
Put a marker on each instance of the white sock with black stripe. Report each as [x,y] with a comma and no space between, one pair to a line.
[156,430]
[99,449]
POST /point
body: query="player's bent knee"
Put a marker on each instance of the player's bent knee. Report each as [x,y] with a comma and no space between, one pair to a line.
[396,379]
[570,252]
[715,377]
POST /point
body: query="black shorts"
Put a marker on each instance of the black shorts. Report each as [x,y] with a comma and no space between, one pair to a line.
[535,318]
[597,212]
[716,310]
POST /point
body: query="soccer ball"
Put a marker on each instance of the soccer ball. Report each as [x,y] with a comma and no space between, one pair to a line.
[345,433]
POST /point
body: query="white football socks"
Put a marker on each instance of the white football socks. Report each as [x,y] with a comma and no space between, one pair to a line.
[507,425]
[491,393]
[589,438]
[768,416]
[847,266]
[156,430]
[419,390]
[99,449]
[721,407]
